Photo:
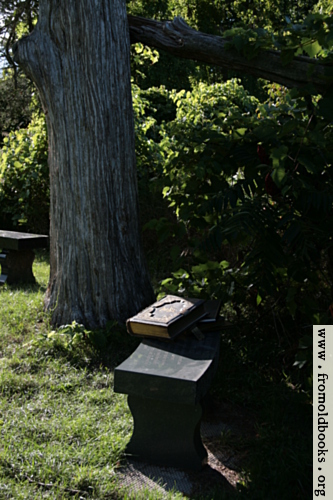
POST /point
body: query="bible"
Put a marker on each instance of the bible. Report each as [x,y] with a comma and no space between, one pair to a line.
[167,318]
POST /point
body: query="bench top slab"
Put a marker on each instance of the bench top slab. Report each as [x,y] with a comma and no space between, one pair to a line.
[13,240]
[177,371]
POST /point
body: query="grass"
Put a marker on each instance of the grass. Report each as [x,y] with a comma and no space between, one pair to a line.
[63,429]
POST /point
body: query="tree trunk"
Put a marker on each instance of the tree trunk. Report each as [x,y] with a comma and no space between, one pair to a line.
[180,40]
[78,57]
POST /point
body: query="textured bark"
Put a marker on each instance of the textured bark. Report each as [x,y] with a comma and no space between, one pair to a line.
[177,38]
[78,56]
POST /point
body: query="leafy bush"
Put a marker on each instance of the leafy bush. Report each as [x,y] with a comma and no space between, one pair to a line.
[24,179]
[251,186]
[16,103]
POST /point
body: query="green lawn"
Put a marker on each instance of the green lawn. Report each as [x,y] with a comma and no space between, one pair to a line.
[63,429]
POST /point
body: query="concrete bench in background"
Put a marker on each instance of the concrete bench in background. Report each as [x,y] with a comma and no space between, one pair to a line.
[17,255]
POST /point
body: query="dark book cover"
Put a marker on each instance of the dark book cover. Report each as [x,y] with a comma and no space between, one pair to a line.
[167,317]
[212,308]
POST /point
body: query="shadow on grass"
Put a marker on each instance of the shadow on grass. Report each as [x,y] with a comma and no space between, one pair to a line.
[43,256]
[88,349]
[25,288]
[258,429]
[266,438]
[255,451]
[42,260]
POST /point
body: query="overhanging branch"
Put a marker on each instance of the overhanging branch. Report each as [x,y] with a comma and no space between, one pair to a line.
[180,40]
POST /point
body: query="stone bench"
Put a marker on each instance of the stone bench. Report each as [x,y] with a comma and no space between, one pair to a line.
[17,255]
[166,382]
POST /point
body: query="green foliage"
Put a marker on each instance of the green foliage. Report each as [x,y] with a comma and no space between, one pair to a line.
[313,37]
[250,184]
[24,179]
[151,108]
[232,238]
[17,19]
[211,16]
[16,106]
[323,7]
[294,28]
[141,57]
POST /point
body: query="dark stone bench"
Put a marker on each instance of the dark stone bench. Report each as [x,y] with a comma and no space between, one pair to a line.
[166,382]
[17,255]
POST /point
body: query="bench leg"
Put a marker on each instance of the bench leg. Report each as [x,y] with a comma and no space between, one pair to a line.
[18,266]
[166,433]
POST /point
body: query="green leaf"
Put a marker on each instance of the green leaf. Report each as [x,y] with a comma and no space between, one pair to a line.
[308,164]
[207,266]
[278,174]
[278,155]
[181,273]
[313,49]
[224,264]
[241,131]
[166,191]
[239,42]
[166,281]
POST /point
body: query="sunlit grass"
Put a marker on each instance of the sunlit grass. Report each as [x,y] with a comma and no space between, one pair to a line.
[63,430]
[62,427]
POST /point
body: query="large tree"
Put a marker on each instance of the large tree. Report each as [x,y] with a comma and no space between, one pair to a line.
[78,57]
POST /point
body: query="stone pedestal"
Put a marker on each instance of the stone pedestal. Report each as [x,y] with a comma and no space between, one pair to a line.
[166,382]
[166,434]
[17,266]
[17,255]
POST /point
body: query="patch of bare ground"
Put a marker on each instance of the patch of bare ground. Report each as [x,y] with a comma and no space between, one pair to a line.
[226,429]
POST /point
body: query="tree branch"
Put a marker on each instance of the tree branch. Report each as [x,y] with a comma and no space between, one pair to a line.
[179,39]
